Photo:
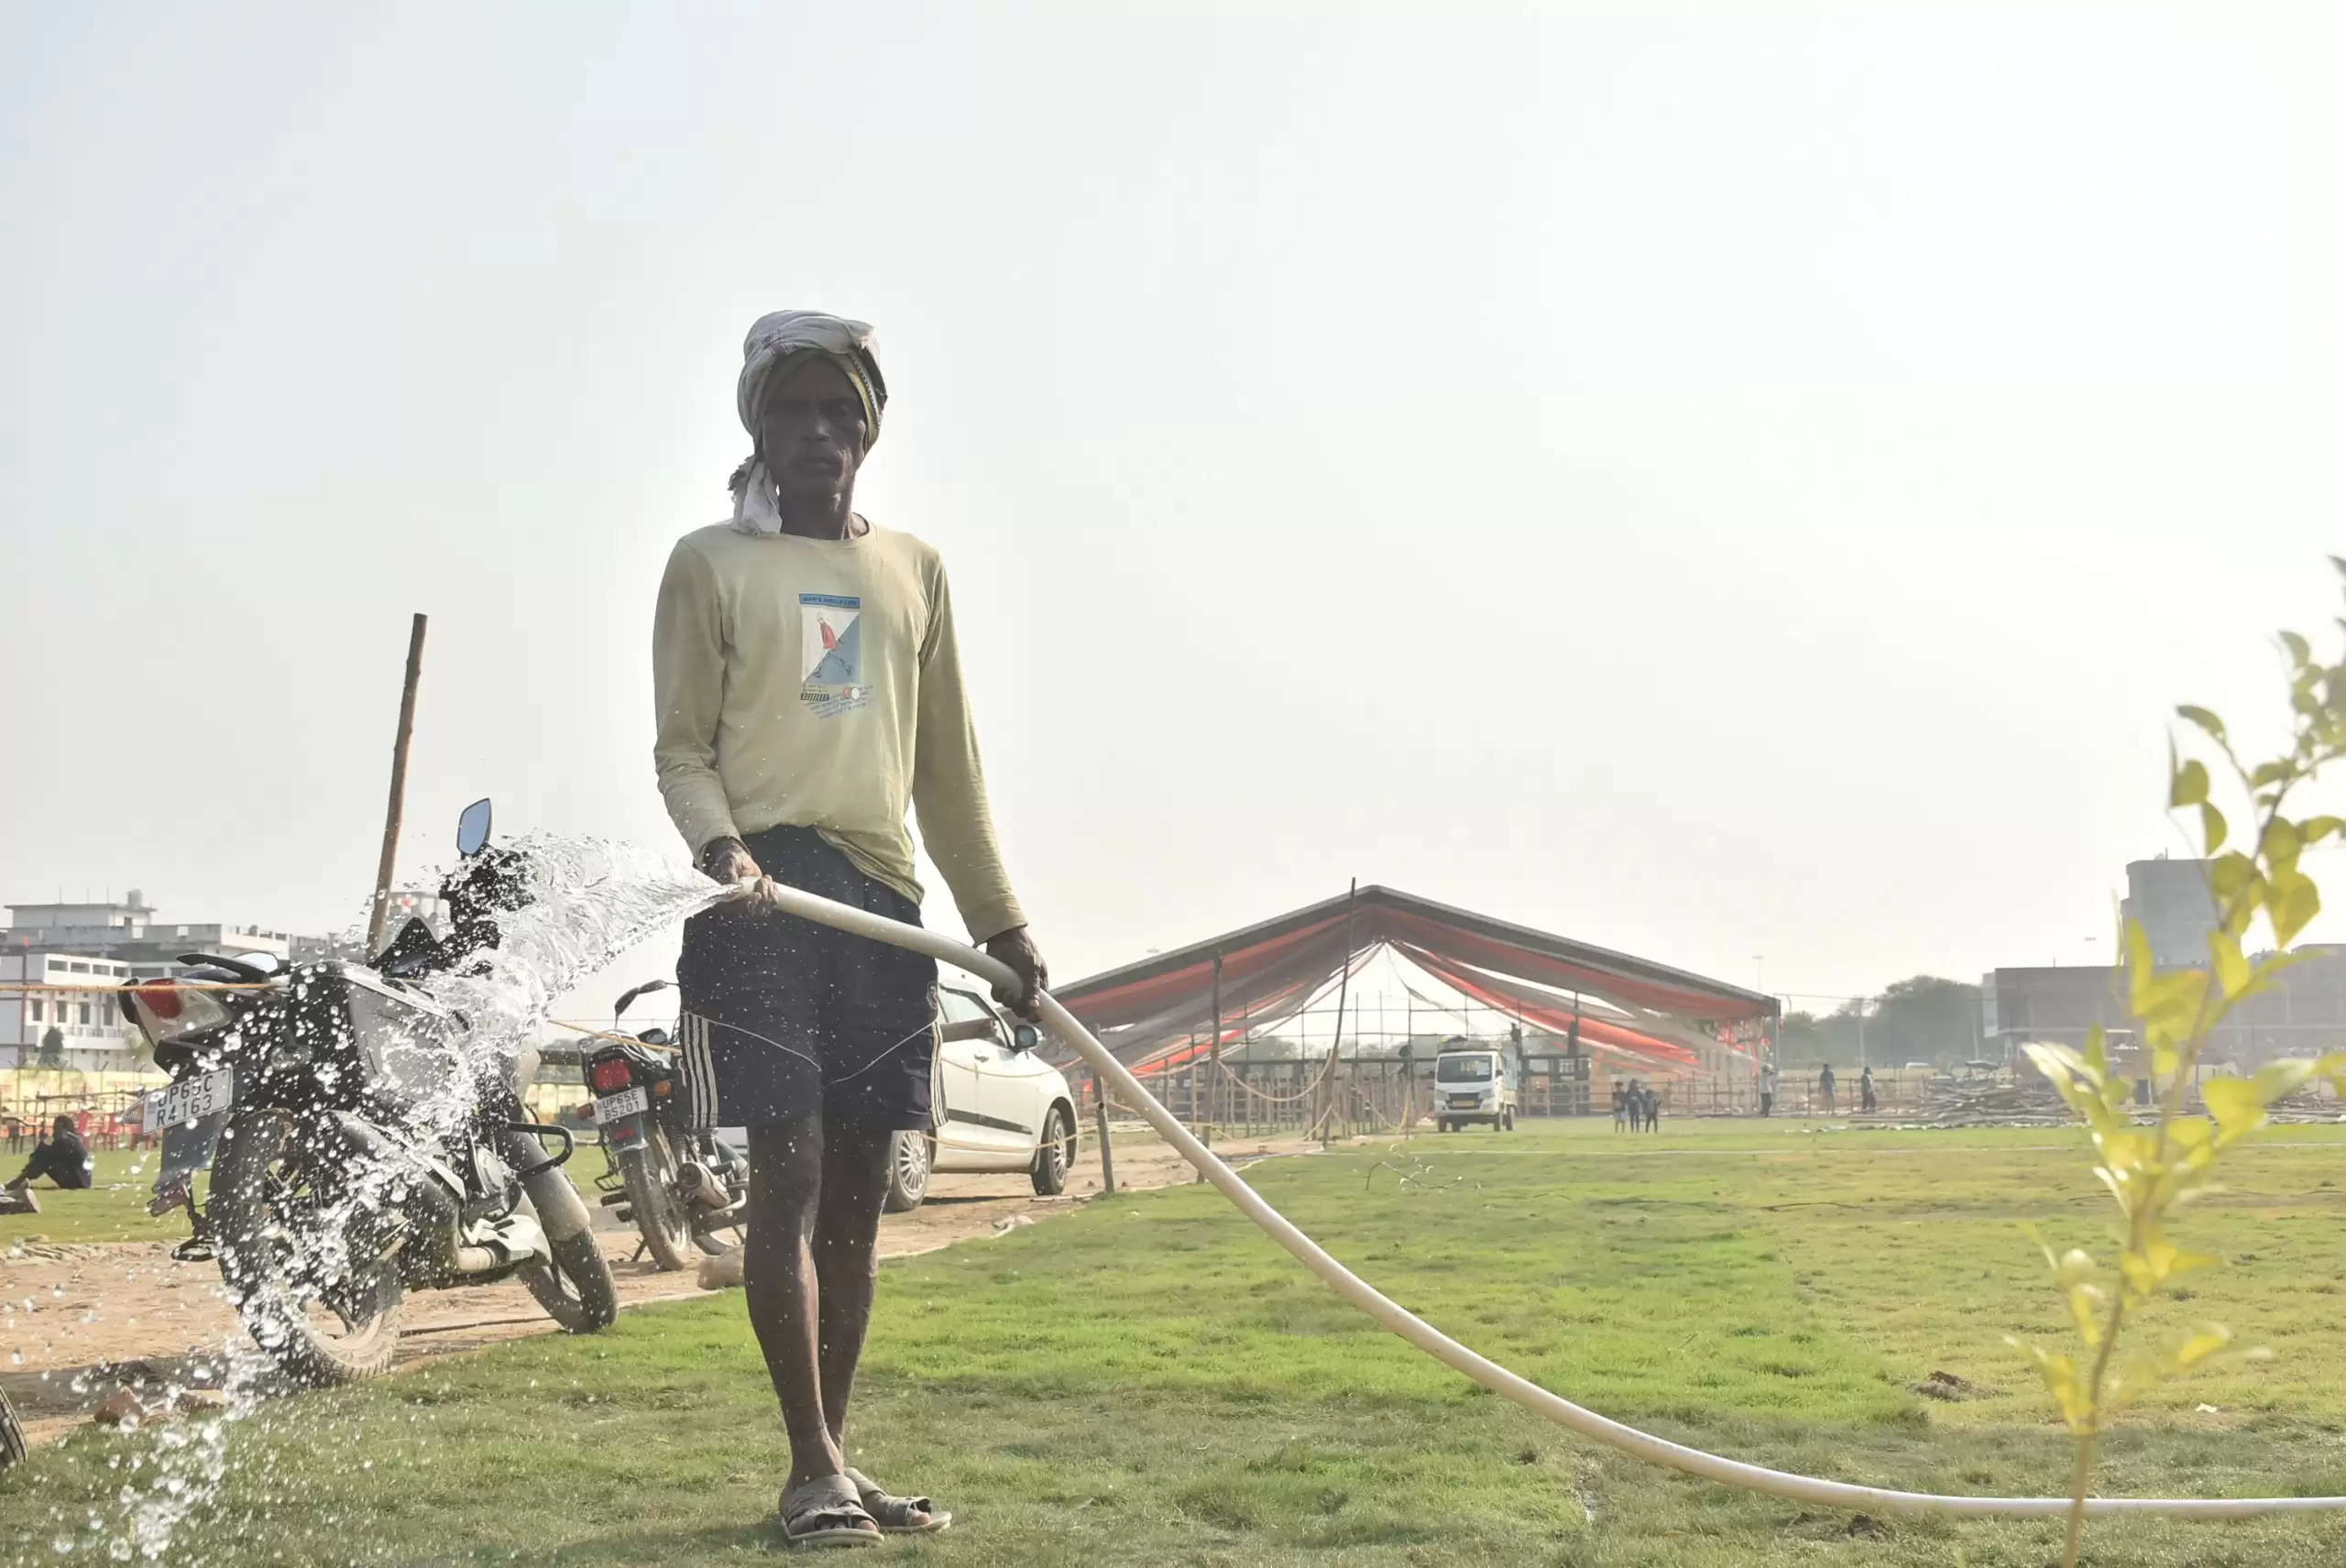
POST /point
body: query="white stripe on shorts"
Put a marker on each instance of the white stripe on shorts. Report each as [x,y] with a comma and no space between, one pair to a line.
[700,1071]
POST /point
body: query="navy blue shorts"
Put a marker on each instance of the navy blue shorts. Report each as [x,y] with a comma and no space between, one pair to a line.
[784,1018]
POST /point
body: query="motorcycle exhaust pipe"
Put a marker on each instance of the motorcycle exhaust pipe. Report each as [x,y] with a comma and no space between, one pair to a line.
[428,1197]
[700,1187]
[516,1238]
[718,1219]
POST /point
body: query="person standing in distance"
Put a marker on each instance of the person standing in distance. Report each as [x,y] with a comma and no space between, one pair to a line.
[808,688]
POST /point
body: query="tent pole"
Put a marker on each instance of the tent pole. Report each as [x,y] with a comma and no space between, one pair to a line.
[1213,1053]
[1107,1150]
[1336,1045]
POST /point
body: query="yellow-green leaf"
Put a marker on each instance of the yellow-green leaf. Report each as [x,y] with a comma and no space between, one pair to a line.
[2232,972]
[2296,901]
[2193,1193]
[2211,826]
[2172,1001]
[2314,830]
[2204,719]
[2231,873]
[2200,1346]
[2086,1303]
[2118,1189]
[2057,1062]
[2097,1057]
[2279,1080]
[2189,786]
[2234,1102]
[2300,650]
[2158,1261]
[2060,1374]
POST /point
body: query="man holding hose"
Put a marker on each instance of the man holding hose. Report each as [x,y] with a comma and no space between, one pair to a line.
[808,688]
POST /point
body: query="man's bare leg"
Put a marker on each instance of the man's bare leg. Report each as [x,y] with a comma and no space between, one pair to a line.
[778,1274]
[847,1259]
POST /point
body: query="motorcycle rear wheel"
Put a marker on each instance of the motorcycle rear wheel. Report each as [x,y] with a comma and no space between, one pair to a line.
[650,1172]
[268,1215]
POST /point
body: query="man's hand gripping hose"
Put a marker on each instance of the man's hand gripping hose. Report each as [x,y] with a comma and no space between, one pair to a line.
[1392,1315]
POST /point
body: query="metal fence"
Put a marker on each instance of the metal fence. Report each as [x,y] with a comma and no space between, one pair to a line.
[1365,1095]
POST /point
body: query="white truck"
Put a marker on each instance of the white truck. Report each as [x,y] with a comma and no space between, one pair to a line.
[1471,1085]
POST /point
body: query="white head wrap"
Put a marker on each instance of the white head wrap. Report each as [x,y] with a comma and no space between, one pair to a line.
[782,342]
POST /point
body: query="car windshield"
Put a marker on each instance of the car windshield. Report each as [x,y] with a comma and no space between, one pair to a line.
[959,1007]
[1464,1070]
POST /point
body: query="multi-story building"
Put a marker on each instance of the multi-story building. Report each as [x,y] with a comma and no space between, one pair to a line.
[91,1035]
[2302,1013]
[105,944]
[2175,902]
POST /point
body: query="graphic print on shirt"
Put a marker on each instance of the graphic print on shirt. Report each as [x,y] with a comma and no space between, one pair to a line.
[831,662]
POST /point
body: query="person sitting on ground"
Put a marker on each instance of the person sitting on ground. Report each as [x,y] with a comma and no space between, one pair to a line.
[63,1159]
[1620,1106]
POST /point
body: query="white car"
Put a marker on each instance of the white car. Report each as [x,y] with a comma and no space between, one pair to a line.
[999,1107]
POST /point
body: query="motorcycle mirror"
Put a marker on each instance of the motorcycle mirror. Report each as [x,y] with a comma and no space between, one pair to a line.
[627,999]
[1025,1038]
[472,829]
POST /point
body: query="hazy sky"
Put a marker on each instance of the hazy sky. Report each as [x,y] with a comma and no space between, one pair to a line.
[1709,482]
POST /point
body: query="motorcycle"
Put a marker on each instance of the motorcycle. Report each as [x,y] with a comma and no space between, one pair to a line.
[345,1175]
[679,1183]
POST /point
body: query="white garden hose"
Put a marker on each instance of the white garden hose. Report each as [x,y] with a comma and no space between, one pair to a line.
[1392,1315]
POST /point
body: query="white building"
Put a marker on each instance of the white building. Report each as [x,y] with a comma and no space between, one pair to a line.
[91,1029]
[103,944]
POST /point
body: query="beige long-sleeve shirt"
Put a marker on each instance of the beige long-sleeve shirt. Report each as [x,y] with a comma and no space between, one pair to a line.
[817,683]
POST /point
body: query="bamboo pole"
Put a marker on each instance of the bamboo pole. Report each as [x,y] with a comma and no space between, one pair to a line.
[383,907]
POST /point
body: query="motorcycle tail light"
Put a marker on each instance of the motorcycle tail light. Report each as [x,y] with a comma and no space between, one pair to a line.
[167,1013]
[610,1075]
[661,1089]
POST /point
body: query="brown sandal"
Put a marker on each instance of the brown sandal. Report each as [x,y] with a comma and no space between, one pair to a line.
[824,1512]
[897,1516]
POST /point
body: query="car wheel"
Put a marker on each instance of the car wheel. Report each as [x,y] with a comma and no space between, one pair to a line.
[909,1157]
[1055,1154]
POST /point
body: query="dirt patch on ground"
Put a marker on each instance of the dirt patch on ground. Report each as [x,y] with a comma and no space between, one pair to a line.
[78,1321]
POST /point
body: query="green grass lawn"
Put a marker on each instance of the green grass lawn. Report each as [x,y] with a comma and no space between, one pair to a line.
[115,1210]
[1148,1380]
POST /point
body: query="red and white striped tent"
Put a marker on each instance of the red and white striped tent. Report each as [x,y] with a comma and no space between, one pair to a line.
[1630,1011]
